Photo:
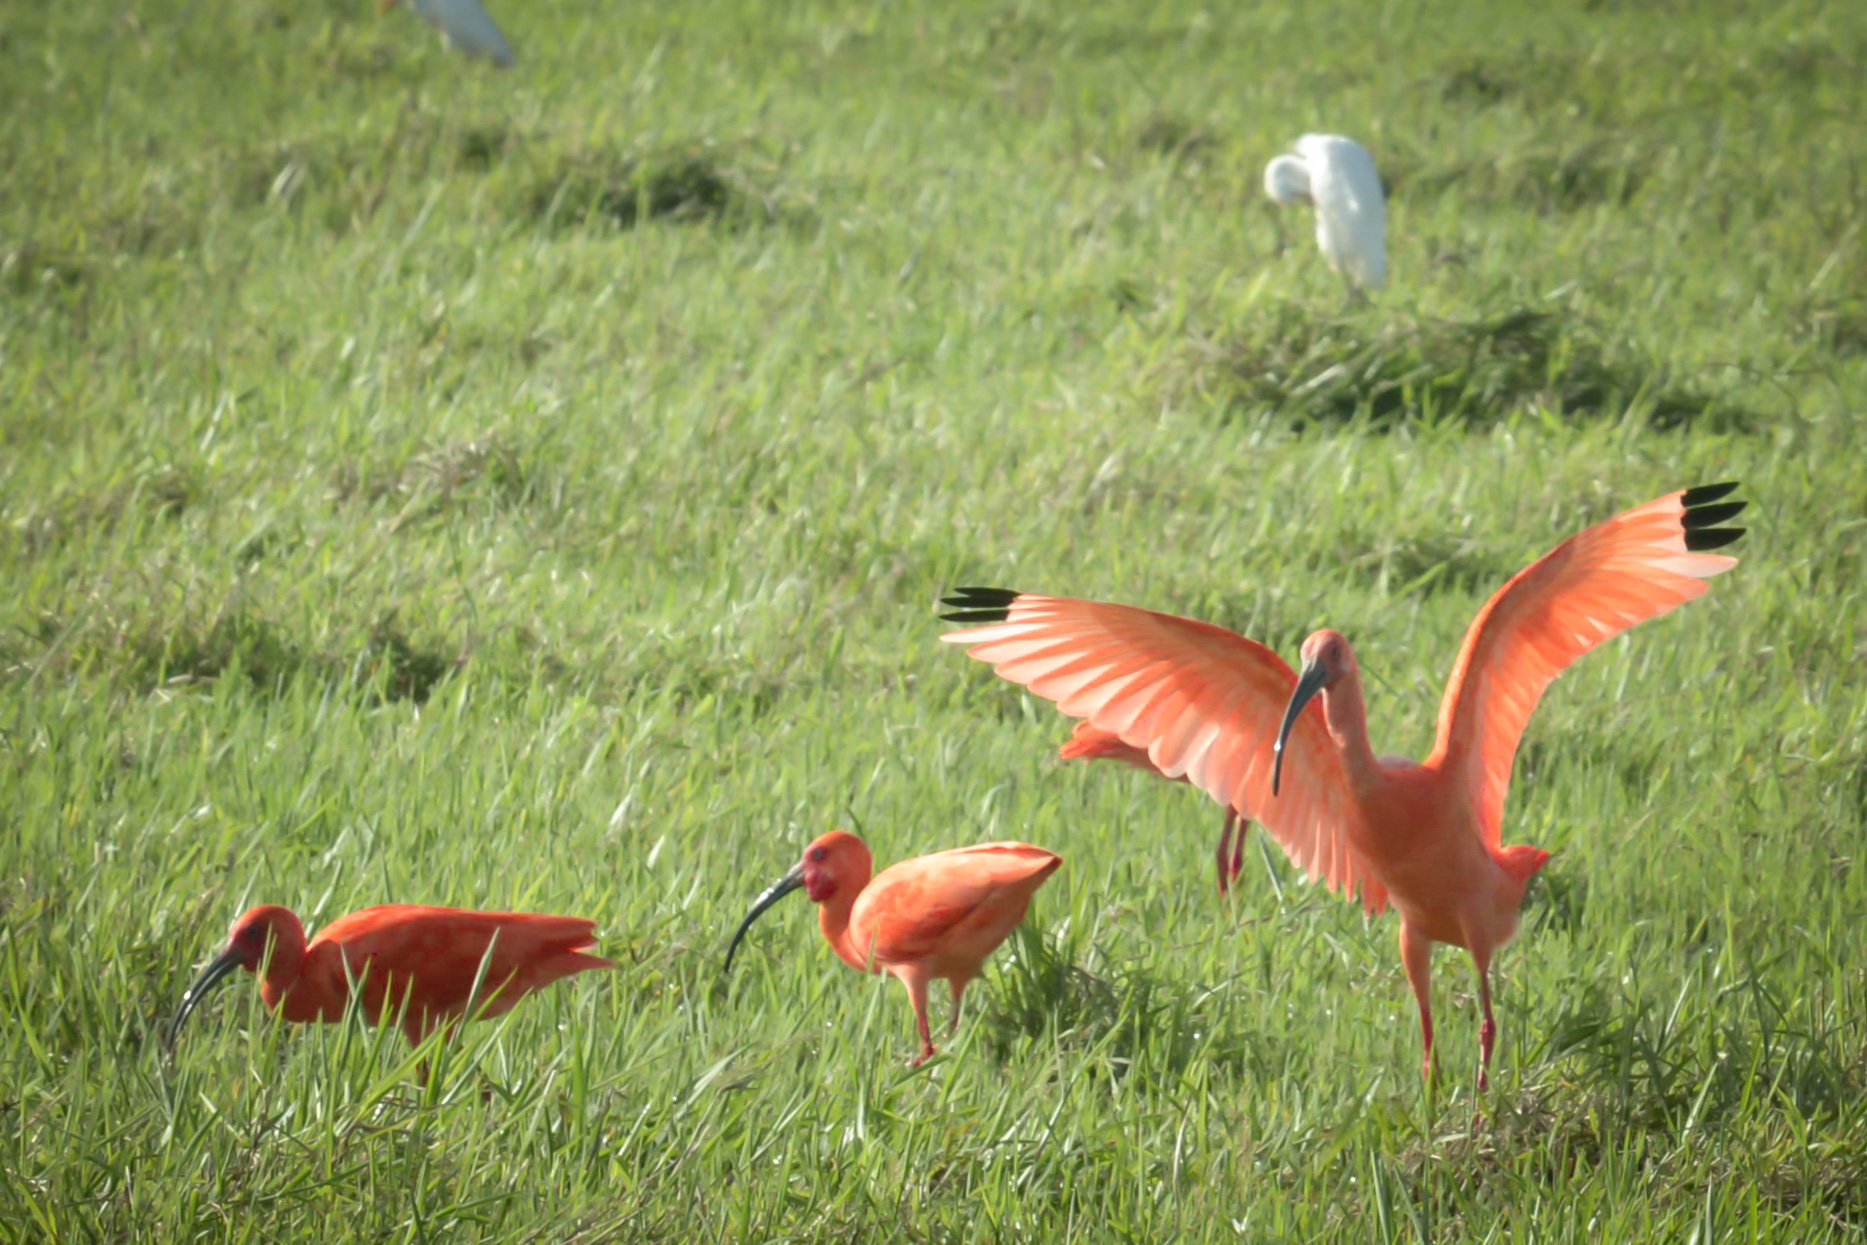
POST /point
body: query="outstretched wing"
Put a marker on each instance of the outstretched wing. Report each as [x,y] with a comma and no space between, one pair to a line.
[1590,588]
[1204,703]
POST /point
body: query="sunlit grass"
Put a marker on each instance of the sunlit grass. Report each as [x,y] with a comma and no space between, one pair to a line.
[531,489]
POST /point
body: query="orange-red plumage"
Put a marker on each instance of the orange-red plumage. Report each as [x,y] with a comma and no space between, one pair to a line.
[927,919]
[1226,714]
[1090,742]
[418,963]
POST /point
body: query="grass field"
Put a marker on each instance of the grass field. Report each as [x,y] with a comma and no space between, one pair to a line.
[531,489]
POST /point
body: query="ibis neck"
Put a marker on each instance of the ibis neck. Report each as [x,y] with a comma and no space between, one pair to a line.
[282,974]
[1347,719]
[833,916]
[286,966]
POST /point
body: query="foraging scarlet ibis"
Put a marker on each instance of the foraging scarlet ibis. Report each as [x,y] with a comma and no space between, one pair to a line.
[418,962]
[1090,742]
[922,920]
[1228,715]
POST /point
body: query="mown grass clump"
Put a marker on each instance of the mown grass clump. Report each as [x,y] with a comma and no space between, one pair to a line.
[167,655]
[154,491]
[1839,327]
[431,481]
[1602,173]
[1310,370]
[349,175]
[28,269]
[680,184]
[1176,137]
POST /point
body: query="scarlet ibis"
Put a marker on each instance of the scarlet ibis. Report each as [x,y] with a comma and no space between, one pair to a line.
[922,920]
[1228,715]
[421,961]
[1090,742]
[1336,176]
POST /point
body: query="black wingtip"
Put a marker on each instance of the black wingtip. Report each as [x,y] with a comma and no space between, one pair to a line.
[1712,538]
[1705,494]
[1702,516]
[1711,516]
[979,605]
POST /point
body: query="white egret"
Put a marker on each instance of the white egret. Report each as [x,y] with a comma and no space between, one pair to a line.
[463,24]
[1336,175]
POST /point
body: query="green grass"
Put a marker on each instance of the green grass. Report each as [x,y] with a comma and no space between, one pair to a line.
[531,489]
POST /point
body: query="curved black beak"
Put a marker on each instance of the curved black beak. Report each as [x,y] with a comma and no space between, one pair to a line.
[1309,682]
[772,894]
[217,968]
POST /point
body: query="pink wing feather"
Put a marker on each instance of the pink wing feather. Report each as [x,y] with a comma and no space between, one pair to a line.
[1587,590]
[1202,702]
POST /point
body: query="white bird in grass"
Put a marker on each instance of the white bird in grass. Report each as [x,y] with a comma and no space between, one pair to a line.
[463,24]
[1337,176]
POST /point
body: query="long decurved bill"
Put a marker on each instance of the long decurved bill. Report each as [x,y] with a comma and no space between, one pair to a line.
[1309,682]
[772,894]
[217,968]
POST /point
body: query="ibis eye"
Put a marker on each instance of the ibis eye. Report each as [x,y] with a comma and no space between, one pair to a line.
[820,855]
